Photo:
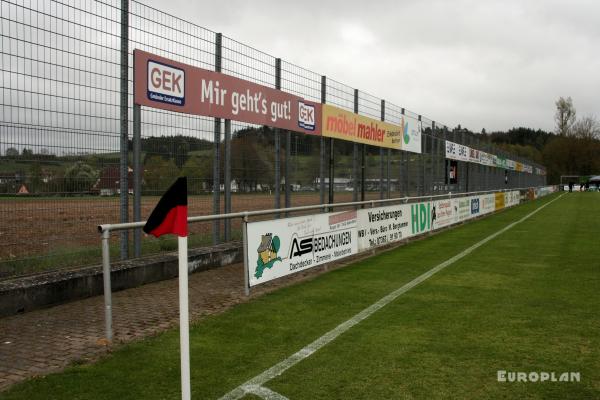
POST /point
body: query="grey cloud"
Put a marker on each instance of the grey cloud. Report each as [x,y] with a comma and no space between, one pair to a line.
[483,64]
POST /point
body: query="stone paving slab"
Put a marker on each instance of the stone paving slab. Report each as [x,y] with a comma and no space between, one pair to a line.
[46,341]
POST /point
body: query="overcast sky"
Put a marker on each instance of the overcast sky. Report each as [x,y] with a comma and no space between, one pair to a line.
[483,64]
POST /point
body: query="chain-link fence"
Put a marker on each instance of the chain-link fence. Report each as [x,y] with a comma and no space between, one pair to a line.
[66,159]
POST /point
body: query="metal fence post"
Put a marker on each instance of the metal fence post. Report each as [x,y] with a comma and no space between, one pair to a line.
[362,172]
[324,154]
[277,170]
[331,171]
[406,160]
[432,156]
[245,250]
[466,163]
[107,285]
[421,189]
[381,172]
[137,178]
[124,127]
[439,160]
[355,177]
[227,166]
[387,173]
[382,155]
[322,170]
[278,144]
[355,151]
[216,236]
[288,162]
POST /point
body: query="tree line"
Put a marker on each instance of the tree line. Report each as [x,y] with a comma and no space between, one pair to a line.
[572,149]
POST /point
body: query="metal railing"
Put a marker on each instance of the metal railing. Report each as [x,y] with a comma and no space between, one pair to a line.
[106,229]
[66,120]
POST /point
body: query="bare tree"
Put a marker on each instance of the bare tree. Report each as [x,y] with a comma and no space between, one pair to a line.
[565,116]
[587,128]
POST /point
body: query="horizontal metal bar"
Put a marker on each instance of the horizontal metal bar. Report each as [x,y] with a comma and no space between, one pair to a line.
[245,214]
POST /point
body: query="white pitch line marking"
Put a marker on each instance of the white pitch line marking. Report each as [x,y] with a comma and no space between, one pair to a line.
[264,392]
[309,349]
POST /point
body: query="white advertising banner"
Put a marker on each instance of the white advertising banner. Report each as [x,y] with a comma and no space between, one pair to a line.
[455,151]
[463,206]
[487,159]
[451,150]
[281,247]
[475,206]
[383,225]
[443,213]
[511,198]
[474,156]
[488,203]
[463,153]
[411,138]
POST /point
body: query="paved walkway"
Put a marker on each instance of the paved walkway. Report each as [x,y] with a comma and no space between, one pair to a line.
[45,341]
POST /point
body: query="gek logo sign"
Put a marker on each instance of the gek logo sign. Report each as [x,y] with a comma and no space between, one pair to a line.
[166,84]
[306,116]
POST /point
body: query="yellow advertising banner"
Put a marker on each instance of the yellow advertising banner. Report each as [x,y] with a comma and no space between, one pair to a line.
[499,201]
[345,125]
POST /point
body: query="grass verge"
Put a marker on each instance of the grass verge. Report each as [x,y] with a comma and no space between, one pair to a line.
[525,301]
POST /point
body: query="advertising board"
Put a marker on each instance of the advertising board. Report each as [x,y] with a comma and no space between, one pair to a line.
[443,213]
[345,125]
[383,225]
[170,85]
[488,203]
[499,203]
[285,246]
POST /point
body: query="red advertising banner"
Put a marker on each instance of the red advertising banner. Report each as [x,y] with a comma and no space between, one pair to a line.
[171,85]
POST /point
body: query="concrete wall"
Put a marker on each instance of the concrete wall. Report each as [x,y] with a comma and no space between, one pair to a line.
[42,290]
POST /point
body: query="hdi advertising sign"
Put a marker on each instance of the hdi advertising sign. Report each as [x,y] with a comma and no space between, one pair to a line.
[285,246]
[174,86]
[420,217]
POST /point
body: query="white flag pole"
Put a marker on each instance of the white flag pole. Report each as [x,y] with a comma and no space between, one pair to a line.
[184,324]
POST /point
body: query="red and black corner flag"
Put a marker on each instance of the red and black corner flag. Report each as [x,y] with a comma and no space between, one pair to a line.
[170,214]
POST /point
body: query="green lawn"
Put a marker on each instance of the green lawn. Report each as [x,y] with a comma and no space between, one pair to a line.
[526,301]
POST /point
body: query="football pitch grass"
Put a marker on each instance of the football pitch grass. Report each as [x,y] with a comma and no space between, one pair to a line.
[527,300]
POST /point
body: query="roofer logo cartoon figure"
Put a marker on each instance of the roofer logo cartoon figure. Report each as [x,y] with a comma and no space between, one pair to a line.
[267,253]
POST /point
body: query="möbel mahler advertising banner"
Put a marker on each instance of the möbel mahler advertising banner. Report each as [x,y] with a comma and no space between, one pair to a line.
[285,246]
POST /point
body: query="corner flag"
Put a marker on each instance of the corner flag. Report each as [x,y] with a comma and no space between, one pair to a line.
[170,216]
